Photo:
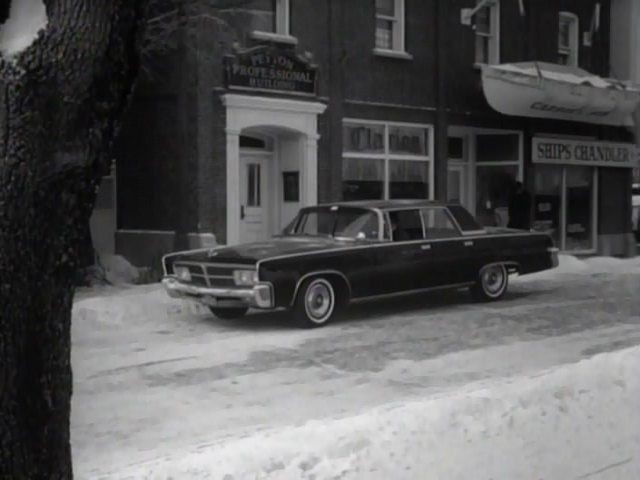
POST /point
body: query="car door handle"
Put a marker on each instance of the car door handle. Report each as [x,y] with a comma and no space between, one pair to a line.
[241,212]
[468,243]
[425,247]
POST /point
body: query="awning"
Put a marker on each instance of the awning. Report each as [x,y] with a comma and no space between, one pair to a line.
[546,90]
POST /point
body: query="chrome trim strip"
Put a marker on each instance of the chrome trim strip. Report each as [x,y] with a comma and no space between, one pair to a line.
[409,292]
[241,266]
[318,273]
[183,252]
[251,296]
[391,244]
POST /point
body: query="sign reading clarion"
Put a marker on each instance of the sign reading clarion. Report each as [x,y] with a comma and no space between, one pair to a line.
[584,153]
[271,69]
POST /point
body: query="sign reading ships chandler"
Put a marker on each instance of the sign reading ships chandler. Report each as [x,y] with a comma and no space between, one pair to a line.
[584,153]
[270,69]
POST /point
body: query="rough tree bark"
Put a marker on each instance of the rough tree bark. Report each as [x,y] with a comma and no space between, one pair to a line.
[61,100]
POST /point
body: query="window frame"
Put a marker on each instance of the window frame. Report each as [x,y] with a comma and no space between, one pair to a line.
[595,184]
[398,30]
[404,209]
[447,214]
[282,25]
[387,156]
[471,165]
[494,35]
[572,51]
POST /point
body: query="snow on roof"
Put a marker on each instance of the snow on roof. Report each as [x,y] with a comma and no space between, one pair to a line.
[563,73]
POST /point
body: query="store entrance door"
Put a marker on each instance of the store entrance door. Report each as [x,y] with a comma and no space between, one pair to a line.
[255,203]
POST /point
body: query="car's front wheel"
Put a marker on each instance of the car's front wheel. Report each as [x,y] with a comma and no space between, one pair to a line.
[317,303]
[491,284]
[229,313]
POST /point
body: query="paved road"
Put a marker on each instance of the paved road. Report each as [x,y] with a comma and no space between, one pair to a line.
[153,378]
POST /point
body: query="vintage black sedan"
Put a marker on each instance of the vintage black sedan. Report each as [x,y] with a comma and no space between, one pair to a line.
[334,254]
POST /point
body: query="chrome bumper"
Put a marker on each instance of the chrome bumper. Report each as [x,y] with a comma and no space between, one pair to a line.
[260,295]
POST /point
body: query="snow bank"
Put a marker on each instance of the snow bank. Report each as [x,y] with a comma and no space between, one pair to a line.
[118,270]
[570,265]
[578,421]
[131,305]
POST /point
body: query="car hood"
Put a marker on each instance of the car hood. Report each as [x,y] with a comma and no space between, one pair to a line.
[250,253]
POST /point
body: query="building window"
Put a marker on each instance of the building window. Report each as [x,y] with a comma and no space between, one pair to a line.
[385,160]
[486,23]
[390,25]
[270,16]
[568,32]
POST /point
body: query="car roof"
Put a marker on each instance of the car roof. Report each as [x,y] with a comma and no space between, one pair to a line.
[387,204]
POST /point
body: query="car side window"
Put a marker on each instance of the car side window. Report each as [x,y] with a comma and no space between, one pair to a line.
[464,218]
[358,224]
[406,225]
[438,224]
[315,223]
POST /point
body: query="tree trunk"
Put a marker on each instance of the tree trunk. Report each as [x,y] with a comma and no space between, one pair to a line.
[61,100]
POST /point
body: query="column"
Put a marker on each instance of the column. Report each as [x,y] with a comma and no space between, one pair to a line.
[233,186]
[309,179]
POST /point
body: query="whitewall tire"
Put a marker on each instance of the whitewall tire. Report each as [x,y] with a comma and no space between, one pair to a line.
[491,284]
[316,303]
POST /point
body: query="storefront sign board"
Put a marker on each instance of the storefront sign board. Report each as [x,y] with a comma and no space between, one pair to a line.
[583,153]
[266,68]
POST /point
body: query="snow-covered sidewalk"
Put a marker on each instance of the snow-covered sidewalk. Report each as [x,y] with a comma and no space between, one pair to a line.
[575,422]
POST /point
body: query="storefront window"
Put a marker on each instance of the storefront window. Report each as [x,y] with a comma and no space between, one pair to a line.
[382,160]
[363,138]
[564,205]
[492,148]
[362,179]
[547,201]
[579,198]
[408,179]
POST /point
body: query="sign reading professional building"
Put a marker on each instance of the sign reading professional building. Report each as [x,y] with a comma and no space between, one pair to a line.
[583,152]
[266,68]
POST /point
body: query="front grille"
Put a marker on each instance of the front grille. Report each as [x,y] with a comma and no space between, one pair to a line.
[210,274]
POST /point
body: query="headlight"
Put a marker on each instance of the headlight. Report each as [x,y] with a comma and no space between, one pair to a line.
[182,273]
[245,277]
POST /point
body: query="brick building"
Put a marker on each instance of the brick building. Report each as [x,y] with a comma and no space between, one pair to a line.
[284,103]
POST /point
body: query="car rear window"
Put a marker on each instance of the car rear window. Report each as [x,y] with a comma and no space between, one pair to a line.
[464,218]
[406,225]
[437,223]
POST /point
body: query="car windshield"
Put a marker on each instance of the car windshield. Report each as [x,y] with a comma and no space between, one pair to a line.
[339,222]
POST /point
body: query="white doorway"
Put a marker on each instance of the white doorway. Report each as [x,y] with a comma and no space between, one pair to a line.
[255,199]
[279,117]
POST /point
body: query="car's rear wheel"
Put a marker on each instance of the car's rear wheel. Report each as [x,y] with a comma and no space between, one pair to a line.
[491,284]
[229,313]
[317,303]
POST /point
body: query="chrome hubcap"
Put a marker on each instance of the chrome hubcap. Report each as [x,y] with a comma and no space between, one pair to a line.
[493,280]
[319,301]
